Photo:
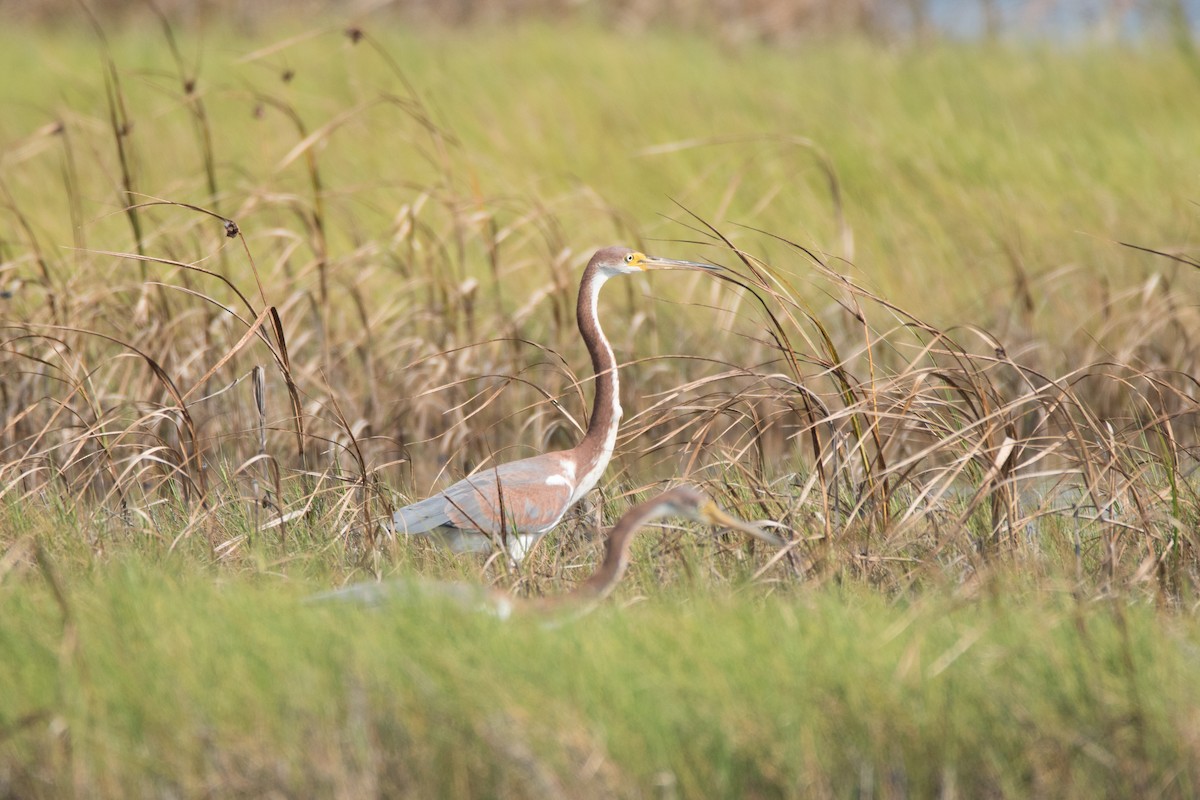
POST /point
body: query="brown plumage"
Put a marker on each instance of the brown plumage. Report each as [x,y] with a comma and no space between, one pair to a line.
[536,492]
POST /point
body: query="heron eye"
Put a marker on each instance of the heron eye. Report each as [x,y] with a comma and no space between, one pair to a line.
[629,258]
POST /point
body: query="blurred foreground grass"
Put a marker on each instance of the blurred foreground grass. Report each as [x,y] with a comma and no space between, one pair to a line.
[173,684]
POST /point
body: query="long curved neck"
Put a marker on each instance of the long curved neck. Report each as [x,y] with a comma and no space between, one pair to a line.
[616,554]
[597,445]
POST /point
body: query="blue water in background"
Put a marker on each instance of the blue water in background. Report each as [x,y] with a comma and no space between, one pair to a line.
[1062,20]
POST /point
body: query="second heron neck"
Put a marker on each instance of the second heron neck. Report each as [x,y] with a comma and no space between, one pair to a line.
[616,553]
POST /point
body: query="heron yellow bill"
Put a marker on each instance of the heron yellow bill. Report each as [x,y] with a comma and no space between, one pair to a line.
[655,262]
[715,515]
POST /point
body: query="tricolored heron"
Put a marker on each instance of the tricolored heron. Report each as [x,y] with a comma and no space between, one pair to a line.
[682,501]
[524,499]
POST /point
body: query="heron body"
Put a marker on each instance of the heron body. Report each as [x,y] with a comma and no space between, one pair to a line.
[522,500]
[682,501]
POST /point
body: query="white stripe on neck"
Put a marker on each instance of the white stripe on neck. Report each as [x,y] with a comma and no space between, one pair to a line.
[590,478]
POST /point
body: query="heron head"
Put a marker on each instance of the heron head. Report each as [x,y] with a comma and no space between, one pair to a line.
[623,261]
[690,502]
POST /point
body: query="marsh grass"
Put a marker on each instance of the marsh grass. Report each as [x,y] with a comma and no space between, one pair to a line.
[256,300]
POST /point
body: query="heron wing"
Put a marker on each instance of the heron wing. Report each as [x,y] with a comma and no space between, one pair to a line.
[373,594]
[422,517]
[536,493]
